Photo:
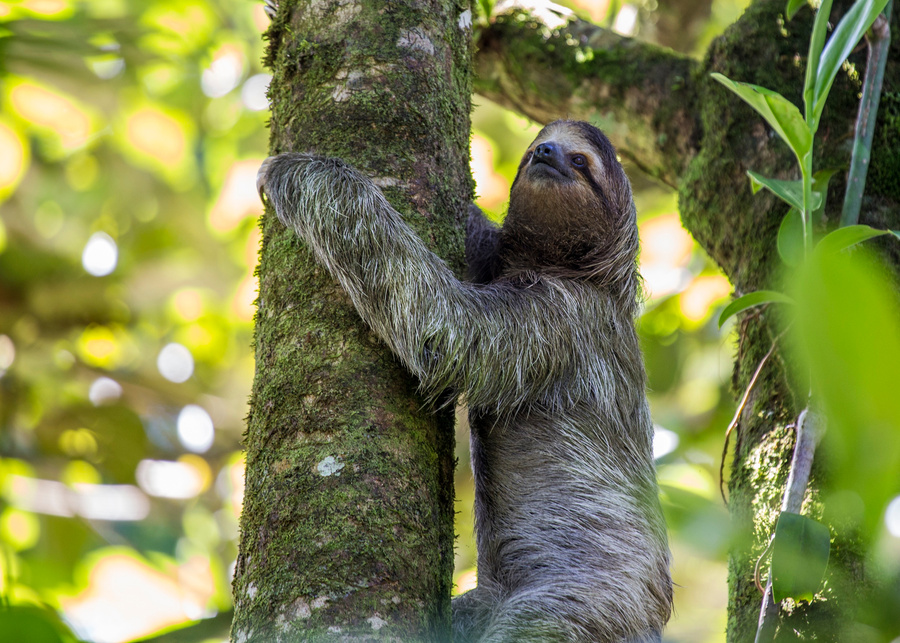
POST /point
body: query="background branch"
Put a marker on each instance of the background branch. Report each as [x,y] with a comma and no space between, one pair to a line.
[641,95]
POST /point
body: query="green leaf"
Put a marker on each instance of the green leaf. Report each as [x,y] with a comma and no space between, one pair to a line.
[816,42]
[799,557]
[793,6]
[791,192]
[779,112]
[848,338]
[848,236]
[790,238]
[846,35]
[752,299]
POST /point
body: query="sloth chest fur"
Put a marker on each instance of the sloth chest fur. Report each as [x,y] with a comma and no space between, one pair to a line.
[562,492]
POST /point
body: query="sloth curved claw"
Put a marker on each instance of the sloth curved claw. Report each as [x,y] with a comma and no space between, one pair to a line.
[261,178]
[271,8]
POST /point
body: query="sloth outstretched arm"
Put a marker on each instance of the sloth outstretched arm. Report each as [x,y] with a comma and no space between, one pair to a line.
[450,334]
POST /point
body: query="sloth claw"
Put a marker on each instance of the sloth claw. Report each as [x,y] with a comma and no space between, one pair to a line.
[271,8]
[261,178]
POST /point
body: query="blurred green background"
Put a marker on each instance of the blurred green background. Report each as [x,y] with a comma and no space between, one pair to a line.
[130,135]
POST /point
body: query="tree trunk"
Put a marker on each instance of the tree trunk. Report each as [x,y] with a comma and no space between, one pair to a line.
[347,526]
[666,114]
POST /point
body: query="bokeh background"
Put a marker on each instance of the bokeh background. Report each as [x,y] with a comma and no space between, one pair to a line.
[130,135]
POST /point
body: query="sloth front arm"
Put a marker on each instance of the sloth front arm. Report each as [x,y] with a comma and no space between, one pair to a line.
[501,344]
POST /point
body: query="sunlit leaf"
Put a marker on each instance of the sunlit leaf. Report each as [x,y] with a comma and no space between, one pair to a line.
[793,6]
[15,153]
[756,298]
[846,35]
[799,557]
[67,121]
[848,236]
[790,238]
[791,192]
[779,112]
[159,138]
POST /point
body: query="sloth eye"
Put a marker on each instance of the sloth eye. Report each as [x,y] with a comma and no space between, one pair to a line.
[579,161]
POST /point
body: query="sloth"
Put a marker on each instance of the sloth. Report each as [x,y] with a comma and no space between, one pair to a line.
[541,344]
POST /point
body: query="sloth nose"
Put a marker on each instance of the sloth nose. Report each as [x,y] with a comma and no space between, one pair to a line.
[549,154]
[545,151]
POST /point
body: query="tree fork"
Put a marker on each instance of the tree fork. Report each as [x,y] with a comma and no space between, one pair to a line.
[347,525]
[641,95]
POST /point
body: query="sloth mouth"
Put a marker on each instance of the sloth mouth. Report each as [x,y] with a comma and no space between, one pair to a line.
[544,167]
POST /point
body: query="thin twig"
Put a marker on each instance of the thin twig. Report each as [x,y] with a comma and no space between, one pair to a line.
[879,40]
[762,556]
[737,414]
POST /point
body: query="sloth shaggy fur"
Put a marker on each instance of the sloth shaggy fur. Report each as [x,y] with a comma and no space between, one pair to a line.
[541,344]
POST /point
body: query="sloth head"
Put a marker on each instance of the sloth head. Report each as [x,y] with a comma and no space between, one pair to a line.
[571,211]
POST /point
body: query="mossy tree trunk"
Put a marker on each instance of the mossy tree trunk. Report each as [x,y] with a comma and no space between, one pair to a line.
[665,113]
[347,526]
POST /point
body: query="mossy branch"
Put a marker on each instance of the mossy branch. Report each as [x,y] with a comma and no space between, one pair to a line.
[643,96]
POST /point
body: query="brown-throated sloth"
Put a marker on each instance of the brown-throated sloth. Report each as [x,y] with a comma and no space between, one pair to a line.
[570,535]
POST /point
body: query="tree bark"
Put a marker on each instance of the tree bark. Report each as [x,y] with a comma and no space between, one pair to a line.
[347,526]
[665,113]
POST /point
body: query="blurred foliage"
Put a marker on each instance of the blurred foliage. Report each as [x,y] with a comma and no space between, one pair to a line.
[130,134]
[127,135]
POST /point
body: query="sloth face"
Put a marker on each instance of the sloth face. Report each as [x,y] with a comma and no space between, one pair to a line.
[570,201]
[577,152]
[562,153]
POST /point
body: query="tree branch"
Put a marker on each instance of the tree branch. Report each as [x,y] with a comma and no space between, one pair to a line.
[642,96]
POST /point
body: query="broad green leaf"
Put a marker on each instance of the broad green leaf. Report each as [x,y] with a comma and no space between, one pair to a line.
[845,237]
[799,557]
[756,298]
[793,6]
[790,238]
[813,58]
[791,192]
[846,35]
[779,112]
[895,233]
[848,330]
